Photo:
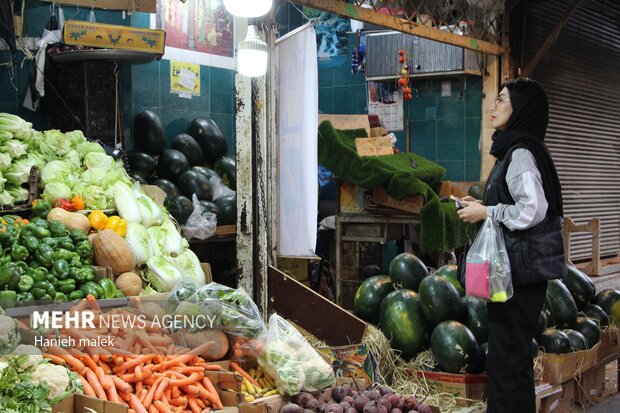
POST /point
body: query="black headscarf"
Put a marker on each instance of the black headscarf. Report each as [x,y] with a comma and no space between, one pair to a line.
[527,127]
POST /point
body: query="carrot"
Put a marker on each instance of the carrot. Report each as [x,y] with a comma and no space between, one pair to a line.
[210,367]
[93,302]
[88,389]
[81,306]
[244,373]
[188,380]
[189,369]
[194,406]
[179,409]
[175,392]
[111,390]
[92,365]
[161,407]
[94,381]
[151,394]
[167,392]
[121,385]
[134,363]
[106,369]
[206,410]
[163,385]
[211,389]
[54,359]
[179,401]
[200,404]
[135,404]
[152,409]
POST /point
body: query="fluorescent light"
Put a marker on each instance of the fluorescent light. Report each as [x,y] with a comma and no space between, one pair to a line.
[253,55]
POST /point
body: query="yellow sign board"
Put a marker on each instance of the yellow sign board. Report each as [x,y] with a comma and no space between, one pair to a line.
[184,78]
[111,36]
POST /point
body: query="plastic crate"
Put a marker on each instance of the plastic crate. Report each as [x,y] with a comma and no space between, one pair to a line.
[23,209]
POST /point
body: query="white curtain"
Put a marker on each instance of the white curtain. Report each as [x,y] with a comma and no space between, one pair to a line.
[298,108]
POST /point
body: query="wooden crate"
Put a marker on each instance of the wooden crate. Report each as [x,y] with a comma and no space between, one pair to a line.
[597,266]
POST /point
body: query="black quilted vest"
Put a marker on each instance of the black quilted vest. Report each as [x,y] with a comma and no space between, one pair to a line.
[536,254]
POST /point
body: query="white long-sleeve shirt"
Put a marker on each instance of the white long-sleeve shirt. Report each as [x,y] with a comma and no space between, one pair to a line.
[525,186]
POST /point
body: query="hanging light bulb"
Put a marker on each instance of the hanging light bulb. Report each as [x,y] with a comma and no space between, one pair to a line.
[253,54]
[248,8]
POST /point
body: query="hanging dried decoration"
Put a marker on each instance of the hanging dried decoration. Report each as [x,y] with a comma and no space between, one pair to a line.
[403,81]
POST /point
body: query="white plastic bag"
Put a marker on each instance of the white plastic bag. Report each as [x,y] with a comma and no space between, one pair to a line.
[487,268]
[200,225]
[291,361]
[218,188]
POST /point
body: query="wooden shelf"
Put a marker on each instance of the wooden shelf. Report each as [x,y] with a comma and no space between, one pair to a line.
[116,55]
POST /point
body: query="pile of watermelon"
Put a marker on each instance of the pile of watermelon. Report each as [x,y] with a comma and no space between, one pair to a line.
[185,168]
[417,310]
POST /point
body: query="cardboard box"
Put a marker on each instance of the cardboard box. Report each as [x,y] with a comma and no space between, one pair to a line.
[79,403]
[155,193]
[546,395]
[227,384]
[375,132]
[352,361]
[411,204]
[295,267]
[374,146]
[590,386]
[270,404]
[559,368]
[566,402]
[609,349]
[467,386]
[111,36]
[351,199]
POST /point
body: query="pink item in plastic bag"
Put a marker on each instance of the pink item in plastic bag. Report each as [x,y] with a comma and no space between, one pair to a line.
[477,279]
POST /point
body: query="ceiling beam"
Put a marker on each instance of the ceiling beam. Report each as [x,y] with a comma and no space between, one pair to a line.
[551,39]
[396,23]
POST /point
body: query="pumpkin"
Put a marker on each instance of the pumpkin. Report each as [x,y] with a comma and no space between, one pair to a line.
[111,250]
[129,283]
[72,220]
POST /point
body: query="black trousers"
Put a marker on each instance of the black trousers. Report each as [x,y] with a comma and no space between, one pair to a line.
[512,325]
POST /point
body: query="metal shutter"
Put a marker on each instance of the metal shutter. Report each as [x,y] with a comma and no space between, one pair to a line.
[581,74]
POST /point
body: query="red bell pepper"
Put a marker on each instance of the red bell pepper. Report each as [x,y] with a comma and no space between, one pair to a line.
[64,204]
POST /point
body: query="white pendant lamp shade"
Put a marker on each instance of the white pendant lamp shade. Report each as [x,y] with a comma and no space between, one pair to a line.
[253,55]
[248,8]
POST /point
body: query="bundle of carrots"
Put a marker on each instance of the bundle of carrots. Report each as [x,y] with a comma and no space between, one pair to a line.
[146,383]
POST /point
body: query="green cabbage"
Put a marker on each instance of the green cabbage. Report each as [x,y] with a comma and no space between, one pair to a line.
[189,265]
[98,160]
[20,129]
[88,147]
[94,196]
[162,274]
[57,171]
[2,181]
[14,148]
[6,198]
[75,138]
[149,211]
[73,159]
[139,241]
[19,171]
[20,194]
[5,161]
[55,190]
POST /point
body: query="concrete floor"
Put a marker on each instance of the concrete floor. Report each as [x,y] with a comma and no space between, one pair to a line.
[609,404]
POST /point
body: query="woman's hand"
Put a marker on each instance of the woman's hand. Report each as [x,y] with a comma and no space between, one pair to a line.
[472,212]
[469,198]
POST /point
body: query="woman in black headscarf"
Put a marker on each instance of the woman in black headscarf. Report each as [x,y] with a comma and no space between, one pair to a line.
[523,195]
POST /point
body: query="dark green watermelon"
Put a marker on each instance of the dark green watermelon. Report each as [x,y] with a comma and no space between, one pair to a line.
[180,208]
[548,315]
[534,348]
[560,301]
[407,271]
[369,296]
[607,299]
[580,286]
[188,146]
[454,347]
[172,164]
[205,171]
[554,341]
[139,178]
[141,164]
[439,300]
[542,323]
[228,208]
[210,207]
[476,318]
[401,320]
[168,187]
[227,170]
[209,137]
[148,133]
[588,329]
[476,190]
[597,314]
[192,182]
[577,341]
[450,272]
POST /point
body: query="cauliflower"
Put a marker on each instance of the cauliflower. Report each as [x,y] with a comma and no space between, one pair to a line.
[30,356]
[56,377]
[8,334]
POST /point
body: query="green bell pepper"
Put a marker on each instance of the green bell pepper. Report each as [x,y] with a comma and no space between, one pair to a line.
[89,290]
[119,294]
[64,254]
[60,297]
[5,259]
[66,243]
[52,242]
[40,222]
[10,275]
[25,283]
[84,249]
[58,229]
[8,234]
[37,293]
[76,295]
[45,255]
[60,268]
[41,208]
[37,274]
[108,287]
[41,232]
[19,253]
[8,299]
[47,286]
[27,231]
[77,235]
[31,243]
[66,286]
[25,298]
[46,297]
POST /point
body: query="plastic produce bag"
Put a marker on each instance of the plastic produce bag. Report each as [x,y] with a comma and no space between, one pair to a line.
[487,268]
[218,188]
[291,361]
[200,225]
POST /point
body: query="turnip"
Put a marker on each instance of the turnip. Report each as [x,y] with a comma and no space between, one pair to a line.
[326,396]
[333,408]
[348,399]
[302,399]
[382,409]
[312,404]
[350,410]
[373,394]
[370,407]
[355,393]
[393,399]
[291,408]
[309,411]
[385,403]
[360,402]
[424,408]
[345,405]
[396,410]
[409,403]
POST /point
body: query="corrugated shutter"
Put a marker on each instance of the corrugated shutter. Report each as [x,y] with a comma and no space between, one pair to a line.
[581,74]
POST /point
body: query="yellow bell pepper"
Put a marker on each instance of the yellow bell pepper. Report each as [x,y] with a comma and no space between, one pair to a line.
[98,220]
[117,224]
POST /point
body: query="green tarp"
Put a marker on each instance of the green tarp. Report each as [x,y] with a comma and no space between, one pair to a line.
[402,175]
